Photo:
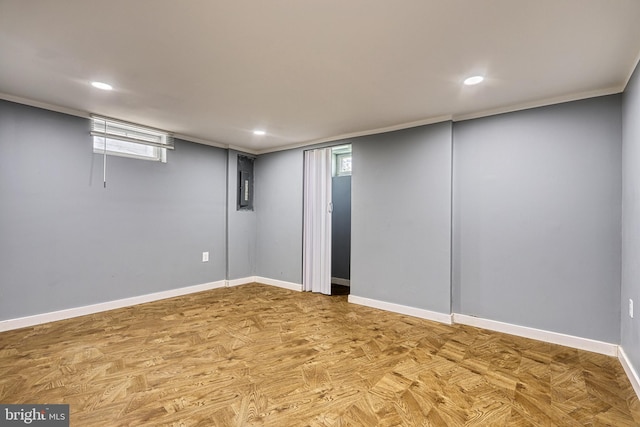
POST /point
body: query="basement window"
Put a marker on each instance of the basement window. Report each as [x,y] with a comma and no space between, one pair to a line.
[124,139]
[341,160]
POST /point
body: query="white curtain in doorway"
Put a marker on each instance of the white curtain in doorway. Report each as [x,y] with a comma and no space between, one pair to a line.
[316,270]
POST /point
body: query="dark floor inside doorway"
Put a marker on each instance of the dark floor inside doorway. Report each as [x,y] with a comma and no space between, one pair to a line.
[339,289]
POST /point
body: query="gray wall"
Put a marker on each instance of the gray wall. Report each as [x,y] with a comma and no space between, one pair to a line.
[241,228]
[278,205]
[341,227]
[537,218]
[630,330]
[401,217]
[65,241]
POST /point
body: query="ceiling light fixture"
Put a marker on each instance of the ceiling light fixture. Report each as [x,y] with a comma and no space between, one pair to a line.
[259,132]
[474,80]
[102,86]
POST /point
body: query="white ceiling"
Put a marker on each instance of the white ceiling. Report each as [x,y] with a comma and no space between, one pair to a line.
[308,71]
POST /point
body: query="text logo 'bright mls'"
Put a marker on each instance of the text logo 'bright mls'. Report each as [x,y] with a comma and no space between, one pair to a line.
[37,415]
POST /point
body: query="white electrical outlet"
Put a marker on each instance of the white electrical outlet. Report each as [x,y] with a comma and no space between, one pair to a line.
[205,256]
[630,308]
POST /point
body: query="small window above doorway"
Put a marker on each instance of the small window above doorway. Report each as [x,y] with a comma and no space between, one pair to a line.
[341,160]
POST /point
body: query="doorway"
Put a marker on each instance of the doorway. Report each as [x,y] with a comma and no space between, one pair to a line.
[341,220]
[327,220]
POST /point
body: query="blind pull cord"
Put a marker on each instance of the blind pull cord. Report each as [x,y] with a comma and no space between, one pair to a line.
[104,160]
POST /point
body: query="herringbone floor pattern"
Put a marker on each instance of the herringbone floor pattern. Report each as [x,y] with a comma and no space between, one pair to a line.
[259,355]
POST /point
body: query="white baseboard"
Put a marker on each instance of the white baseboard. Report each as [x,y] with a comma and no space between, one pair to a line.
[401,309]
[243,281]
[339,281]
[279,283]
[539,334]
[38,319]
[23,322]
[628,369]
[523,331]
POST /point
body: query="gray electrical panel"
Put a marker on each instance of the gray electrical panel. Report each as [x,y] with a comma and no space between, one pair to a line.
[245,183]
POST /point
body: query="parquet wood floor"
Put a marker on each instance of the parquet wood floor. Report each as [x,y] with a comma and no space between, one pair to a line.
[257,355]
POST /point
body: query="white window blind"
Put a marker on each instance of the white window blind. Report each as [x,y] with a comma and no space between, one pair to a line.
[118,138]
[128,139]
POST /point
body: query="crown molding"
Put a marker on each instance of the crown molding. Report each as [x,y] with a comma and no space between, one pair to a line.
[200,140]
[634,66]
[87,115]
[428,121]
[539,103]
[350,135]
[243,150]
[44,105]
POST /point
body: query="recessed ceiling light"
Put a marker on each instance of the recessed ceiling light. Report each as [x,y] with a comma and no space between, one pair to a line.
[474,80]
[100,85]
[259,132]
